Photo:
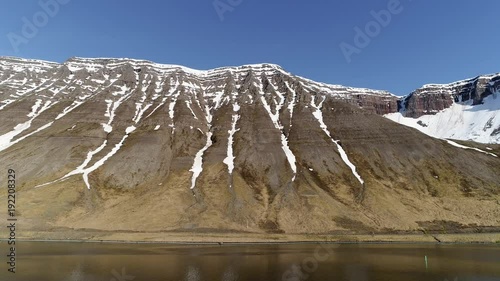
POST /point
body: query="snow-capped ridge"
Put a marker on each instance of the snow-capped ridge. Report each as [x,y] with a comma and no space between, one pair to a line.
[8,59]
[461,82]
[93,64]
[114,62]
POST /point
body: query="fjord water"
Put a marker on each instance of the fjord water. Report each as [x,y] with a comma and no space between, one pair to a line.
[148,262]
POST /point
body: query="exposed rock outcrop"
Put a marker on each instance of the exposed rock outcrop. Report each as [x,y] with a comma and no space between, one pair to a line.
[433,98]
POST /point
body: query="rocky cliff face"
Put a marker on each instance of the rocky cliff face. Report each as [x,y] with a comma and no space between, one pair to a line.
[434,98]
[125,145]
[379,104]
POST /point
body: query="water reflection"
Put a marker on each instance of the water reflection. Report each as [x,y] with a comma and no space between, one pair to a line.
[193,274]
[230,274]
[76,274]
[357,272]
[117,262]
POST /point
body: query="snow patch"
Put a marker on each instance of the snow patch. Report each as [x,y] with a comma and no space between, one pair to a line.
[112,106]
[468,147]
[140,111]
[107,128]
[229,160]
[34,108]
[69,109]
[156,108]
[291,105]
[198,161]
[188,104]
[461,121]
[6,103]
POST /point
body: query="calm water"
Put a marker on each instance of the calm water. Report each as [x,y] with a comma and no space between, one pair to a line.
[119,262]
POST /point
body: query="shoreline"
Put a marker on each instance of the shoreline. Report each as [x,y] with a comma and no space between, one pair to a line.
[176,238]
[181,243]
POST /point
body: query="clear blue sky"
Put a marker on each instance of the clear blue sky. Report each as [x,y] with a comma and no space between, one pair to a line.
[429,41]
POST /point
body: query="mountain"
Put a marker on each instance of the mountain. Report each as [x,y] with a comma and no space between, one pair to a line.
[128,146]
[464,110]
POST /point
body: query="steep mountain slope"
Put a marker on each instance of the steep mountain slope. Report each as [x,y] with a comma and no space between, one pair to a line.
[464,110]
[126,145]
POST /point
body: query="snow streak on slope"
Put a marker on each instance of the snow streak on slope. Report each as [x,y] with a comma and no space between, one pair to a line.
[84,170]
[101,162]
[173,88]
[61,115]
[80,169]
[41,106]
[198,161]
[277,124]
[229,160]
[36,110]
[318,114]
[172,104]
[291,106]
[157,107]
[140,109]
[32,133]
[468,147]
[113,106]
[5,103]
[188,104]
[107,127]
[68,109]
[124,93]
[462,121]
